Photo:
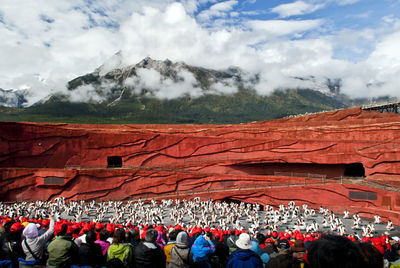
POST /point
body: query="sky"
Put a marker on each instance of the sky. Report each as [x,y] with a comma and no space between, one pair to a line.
[47,43]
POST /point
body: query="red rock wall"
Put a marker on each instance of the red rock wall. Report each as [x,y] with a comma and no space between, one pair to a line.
[160,160]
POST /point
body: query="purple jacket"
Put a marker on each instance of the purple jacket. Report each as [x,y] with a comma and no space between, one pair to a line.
[104,246]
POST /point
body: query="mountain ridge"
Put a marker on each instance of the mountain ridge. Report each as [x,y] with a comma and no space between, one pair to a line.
[162,92]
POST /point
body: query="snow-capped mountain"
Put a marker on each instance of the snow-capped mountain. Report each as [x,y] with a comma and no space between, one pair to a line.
[165,79]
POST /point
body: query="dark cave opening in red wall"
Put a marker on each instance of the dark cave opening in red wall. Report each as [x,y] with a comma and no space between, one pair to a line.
[114,161]
[301,169]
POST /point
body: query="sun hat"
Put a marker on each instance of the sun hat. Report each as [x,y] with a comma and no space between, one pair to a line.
[244,241]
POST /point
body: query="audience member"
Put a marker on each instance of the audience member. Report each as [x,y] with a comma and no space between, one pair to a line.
[284,259]
[299,254]
[62,250]
[171,243]
[120,249]
[102,241]
[180,253]
[332,251]
[34,243]
[202,248]
[90,253]
[244,257]
[148,254]
[10,243]
[373,258]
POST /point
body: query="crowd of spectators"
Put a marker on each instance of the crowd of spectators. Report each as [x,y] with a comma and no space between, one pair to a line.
[58,242]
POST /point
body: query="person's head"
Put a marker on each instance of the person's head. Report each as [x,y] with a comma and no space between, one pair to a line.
[7,226]
[333,251]
[104,234]
[151,236]
[231,241]
[260,238]
[90,237]
[119,236]
[182,239]
[172,235]
[31,231]
[63,231]
[244,241]
[372,257]
[395,249]
[298,246]
[283,246]
[135,234]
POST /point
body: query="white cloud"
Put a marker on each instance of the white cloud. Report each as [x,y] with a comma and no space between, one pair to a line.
[283,27]
[296,8]
[224,6]
[162,87]
[217,10]
[45,44]
[346,2]
[86,93]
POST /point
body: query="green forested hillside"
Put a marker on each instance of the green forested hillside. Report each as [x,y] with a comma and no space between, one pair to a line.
[243,106]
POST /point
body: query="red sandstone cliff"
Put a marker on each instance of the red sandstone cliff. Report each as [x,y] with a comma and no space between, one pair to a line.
[243,162]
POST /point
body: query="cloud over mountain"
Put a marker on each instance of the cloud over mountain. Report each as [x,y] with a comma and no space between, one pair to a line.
[47,44]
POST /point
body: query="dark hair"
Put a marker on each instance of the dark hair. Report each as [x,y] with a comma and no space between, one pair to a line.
[14,236]
[64,229]
[90,237]
[104,234]
[261,238]
[115,263]
[119,236]
[7,225]
[151,235]
[372,256]
[332,251]
[135,234]
[173,234]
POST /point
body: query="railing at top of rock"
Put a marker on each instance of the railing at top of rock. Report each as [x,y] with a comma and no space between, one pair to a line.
[298,174]
[388,107]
